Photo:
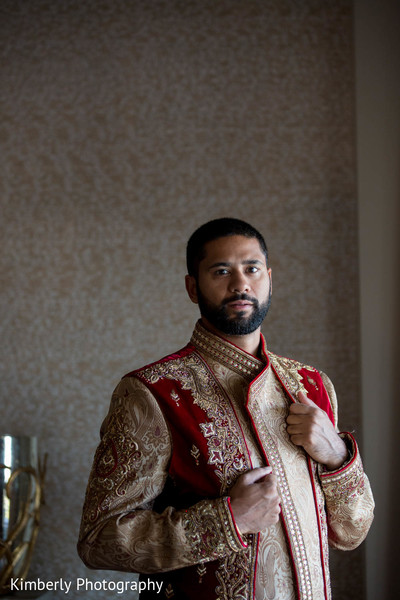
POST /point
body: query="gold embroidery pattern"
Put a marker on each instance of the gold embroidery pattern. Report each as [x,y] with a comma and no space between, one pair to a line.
[232,357]
[346,485]
[349,501]
[236,575]
[195,452]
[312,382]
[287,505]
[320,498]
[209,526]
[288,372]
[229,526]
[175,397]
[223,438]
[169,592]
[209,530]
[201,571]
[117,455]
[124,458]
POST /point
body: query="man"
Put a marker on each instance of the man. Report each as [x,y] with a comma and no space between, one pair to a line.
[220,472]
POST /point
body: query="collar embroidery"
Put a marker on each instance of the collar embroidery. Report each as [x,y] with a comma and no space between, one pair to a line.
[225,352]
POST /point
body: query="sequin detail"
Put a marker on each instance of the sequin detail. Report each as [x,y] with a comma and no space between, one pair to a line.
[232,357]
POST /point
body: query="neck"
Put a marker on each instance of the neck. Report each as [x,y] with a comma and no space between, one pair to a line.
[250,342]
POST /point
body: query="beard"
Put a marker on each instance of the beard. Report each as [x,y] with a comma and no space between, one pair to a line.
[236,325]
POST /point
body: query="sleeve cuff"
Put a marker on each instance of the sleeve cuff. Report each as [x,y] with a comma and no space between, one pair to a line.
[345,484]
[230,524]
[211,530]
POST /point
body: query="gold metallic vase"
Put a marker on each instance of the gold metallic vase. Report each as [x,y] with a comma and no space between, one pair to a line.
[21,489]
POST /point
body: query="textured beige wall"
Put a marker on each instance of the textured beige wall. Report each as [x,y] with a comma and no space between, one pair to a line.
[125,125]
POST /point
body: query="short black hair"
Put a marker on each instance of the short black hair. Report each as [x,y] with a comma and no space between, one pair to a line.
[216,229]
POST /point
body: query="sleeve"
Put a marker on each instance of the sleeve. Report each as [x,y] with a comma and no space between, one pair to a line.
[119,528]
[348,495]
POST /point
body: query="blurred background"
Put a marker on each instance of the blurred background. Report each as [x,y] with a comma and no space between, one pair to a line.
[127,124]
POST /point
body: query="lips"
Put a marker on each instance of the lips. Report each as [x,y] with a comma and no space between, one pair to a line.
[239,304]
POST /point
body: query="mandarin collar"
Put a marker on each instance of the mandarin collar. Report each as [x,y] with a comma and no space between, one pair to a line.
[227,353]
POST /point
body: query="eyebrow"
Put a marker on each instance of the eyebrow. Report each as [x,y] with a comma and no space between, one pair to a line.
[250,261]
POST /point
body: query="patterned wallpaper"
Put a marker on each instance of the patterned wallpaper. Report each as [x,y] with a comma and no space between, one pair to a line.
[125,125]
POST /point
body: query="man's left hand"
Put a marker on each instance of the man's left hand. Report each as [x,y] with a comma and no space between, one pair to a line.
[310,427]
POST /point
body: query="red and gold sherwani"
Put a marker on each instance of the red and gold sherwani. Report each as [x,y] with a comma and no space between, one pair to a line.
[177,436]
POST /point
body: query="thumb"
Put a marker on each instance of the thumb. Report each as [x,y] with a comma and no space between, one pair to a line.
[304,399]
[256,474]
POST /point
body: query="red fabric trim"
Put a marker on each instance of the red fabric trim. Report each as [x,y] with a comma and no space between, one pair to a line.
[314,385]
[296,579]
[248,397]
[238,533]
[258,437]
[188,349]
[321,548]
[230,402]
[283,385]
[202,481]
[191,477]
[264,350]
[255,565]
[315,388]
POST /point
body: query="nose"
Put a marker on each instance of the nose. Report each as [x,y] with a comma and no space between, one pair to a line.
[238,282]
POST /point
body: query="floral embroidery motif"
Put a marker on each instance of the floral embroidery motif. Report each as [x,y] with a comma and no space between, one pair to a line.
[201,527]
[216,456]
[288,372]
[119,458]
[116,455]
[312,382]
[209,526]
[201,570]
[235,571]
[344,486]
[234,576]
[175,397]
[107,460]
[224,440]
[195,452]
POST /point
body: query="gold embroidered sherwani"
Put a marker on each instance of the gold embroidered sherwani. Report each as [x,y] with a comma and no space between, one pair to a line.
[177,436]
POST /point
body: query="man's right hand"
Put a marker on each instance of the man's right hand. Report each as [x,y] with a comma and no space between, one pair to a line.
[255,502]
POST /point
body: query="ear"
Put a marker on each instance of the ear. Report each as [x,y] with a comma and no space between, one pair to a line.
[191,288]
[270,277]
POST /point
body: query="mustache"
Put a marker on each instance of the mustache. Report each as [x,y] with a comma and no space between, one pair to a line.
[236,297]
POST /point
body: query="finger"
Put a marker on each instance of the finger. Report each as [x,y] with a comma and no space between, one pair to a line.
[304,399]
[269,479]
[301,409]
[295,418]
[256,474]
[295,428]
[297,439]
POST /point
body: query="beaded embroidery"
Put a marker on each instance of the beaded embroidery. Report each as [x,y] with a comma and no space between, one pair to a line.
[232,357]
[225,444]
